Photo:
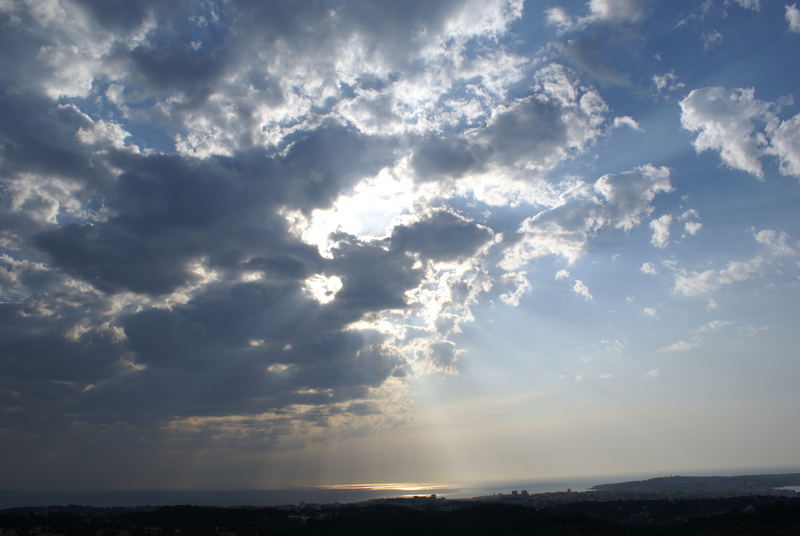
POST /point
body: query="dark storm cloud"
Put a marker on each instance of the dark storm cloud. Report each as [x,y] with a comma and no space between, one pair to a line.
[438,158]
[170,211]
[38,136]
[213,355]
[97,236]
[36,347]
[442,237]
[126,16]
[174,67]
[530,130]
[375,276]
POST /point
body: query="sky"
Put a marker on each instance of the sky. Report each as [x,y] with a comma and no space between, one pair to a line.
[253,244]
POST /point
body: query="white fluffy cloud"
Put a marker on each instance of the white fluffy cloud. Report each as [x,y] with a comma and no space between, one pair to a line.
[691,226]
[617,10]
[776,241]
[785,144]
[793,18]
[614,201]
[649,268]
[660,227]
[742,128]
[726,121]
[697,283]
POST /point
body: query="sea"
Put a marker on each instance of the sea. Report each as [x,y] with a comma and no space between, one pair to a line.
[321,495]
[275,497]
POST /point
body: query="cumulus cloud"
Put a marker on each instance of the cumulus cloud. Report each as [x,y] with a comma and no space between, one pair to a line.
[660,227]
[599,11]
[725,120]
[697,283]
[627,121]
[776,241]
[617,10]
[651,312]
[785,144]
[614,201]
[793,18]
[443,236]
[691,226]
[648,268]
[152,156]
[742,128]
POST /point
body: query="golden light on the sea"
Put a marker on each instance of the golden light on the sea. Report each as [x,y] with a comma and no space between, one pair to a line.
[389,486]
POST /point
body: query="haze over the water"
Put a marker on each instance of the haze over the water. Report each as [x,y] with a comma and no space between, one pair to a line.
[338,244]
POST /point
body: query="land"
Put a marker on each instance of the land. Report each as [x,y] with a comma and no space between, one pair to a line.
[741,505]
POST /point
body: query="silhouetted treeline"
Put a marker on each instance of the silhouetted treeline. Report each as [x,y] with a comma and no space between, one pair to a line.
[740,516]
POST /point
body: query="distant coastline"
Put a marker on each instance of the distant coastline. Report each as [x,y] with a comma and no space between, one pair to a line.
[585,488]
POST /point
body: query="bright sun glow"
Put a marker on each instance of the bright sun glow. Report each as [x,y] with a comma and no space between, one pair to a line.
[368,212]
[323,288]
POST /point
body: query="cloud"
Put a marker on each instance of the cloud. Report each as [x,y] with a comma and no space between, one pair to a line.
[785,146]
[691,226]
[648,268]
[651,312]
[697,283]
[714,325]
[726,120]
[600,11]
[742,128]
[581,289]
[614,201]
[247,226]
[443,236]
[776,241]
[667,83]
[679,346]
[755,5]
[557,16]
[793,18]
[627,121]
[712,39]
[522,288]
[617,10]
[660,227]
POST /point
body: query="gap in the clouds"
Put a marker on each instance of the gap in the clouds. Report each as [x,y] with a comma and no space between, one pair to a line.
[145,134]
[754,58]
